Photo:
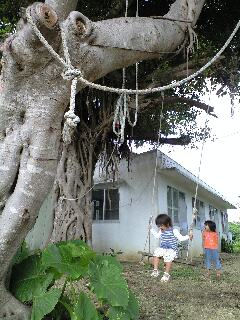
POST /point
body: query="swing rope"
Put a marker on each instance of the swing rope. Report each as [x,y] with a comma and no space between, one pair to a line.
[122,110]
[195,211]
[148,238]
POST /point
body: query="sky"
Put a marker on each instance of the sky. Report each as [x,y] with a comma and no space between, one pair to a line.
[220,166]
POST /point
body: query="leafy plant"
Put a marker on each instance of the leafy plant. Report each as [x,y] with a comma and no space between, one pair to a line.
[226,246]
[41,280]
[235,230]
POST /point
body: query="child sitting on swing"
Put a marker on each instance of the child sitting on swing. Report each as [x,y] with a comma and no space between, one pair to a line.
[168,248]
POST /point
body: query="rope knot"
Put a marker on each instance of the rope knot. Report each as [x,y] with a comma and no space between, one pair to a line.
[71,119]
[71,73]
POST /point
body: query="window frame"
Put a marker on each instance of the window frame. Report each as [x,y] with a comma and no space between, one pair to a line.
[171,207]
[104,206]
[197,221]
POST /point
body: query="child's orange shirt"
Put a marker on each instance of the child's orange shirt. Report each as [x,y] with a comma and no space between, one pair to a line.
[210,240]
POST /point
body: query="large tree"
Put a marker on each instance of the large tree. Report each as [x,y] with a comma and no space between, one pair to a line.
[34,97]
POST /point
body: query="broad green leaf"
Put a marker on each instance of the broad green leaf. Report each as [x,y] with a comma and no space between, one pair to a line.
[85,309]
[78,249]
[29,277]
[109,284]
[44,303]
[133,307]
[99,259]
[118,313]
[65,259]
[52,258]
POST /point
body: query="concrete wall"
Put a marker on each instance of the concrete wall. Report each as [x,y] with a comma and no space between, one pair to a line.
[130,232]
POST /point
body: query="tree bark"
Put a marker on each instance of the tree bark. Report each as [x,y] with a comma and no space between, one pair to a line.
[33,99]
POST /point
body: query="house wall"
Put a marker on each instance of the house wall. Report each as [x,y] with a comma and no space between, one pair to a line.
[130,232]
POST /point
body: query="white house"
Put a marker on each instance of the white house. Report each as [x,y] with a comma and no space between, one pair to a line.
[122,208]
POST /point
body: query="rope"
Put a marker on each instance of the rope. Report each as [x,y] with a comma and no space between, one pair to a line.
[166,87]
[78,73]
[148,239]
[122,110]
[195,211]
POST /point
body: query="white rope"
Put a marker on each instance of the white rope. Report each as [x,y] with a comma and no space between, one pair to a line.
[194,210]
[154,178]
[166,87]
[71,75]
[122,110]
[78,73]
[158,143]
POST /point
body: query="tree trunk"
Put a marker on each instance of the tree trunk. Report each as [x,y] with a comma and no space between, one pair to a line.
[72,190]
[33,99]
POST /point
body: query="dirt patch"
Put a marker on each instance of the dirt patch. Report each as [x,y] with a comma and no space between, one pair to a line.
[189,295]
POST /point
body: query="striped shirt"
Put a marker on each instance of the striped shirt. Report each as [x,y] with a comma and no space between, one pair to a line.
[169,238]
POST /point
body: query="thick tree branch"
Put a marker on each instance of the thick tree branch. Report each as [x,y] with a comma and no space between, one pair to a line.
[62,7]
[124,41]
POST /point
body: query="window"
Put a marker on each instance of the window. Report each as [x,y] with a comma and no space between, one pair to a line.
[174,198]
[200,215]
[105,204]
[224,221]
[213,213]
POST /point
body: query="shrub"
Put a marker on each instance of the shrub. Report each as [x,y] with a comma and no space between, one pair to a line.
[36,277]
[226,246]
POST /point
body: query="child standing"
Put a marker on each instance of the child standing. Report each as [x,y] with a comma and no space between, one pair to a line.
[167,249]
[210,247]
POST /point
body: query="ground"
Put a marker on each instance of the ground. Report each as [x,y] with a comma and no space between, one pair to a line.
[190,294]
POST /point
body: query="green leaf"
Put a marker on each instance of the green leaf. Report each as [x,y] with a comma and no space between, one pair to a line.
[71,259]
[28,278]
[78,249]
[129,313]
[118,313]
[44,303]
[108,283]
[133,307]
[52,258]
[85,309]
[99,259]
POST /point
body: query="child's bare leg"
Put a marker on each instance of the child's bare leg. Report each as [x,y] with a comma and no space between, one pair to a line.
[156,261]
[218,273]
[168,266]
[155,272]
[166,275]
